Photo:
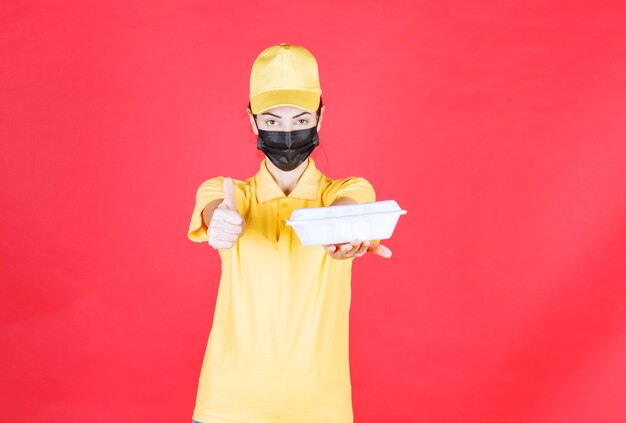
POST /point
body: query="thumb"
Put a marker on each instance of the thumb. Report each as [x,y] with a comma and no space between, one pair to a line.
[380,250]
[229,194]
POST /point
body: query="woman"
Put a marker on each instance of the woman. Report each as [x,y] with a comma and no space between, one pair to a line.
[278,348]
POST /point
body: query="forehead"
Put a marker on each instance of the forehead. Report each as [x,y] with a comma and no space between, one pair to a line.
[286,111]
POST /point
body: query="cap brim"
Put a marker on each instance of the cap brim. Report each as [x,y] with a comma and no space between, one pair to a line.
[304,99]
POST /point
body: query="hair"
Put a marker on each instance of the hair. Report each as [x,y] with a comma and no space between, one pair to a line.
[253,139]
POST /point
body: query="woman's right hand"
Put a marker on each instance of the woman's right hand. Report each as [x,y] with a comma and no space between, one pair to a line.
[227,224]
[356,248]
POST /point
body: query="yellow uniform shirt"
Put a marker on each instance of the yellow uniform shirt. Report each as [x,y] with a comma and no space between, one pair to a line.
[278,348]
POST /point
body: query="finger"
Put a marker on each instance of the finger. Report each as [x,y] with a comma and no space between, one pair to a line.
[231,216]
[335,252]
[354,248]
[337,255]
[230,228]
[344,251]
[220,236]
[229,194]
[345,248]
[357,244]
[381,250]
[220,244]
[218,233]
[363,249]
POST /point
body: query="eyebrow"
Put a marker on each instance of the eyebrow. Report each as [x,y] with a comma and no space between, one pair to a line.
[280,117]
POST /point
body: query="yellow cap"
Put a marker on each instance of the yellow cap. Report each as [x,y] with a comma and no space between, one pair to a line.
[284,75]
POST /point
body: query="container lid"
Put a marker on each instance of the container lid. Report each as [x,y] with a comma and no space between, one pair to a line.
[344,211]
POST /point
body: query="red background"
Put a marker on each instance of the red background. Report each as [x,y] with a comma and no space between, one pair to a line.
[500,127]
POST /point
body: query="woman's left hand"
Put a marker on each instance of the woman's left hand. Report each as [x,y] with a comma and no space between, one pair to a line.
[356,248]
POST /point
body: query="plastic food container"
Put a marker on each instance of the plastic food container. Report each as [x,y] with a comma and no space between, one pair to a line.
[340,224]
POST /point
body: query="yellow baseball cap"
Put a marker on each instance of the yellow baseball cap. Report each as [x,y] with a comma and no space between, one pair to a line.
[284,75]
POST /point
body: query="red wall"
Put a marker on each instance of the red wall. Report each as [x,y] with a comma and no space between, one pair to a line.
[500,127]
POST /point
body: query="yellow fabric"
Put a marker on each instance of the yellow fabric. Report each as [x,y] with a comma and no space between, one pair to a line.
[284,75]
[278,348]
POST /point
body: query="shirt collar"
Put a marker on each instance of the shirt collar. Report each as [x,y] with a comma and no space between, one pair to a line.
[307,187]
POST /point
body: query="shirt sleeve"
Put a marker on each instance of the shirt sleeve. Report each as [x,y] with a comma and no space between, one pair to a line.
[355,187]
[210,190]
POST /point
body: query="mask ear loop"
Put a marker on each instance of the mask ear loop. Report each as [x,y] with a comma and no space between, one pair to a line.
[259,140]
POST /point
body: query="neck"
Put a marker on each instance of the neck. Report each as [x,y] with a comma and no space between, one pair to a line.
[286,180]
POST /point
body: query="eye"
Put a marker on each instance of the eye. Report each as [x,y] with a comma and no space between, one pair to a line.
[304,121]
[267,122]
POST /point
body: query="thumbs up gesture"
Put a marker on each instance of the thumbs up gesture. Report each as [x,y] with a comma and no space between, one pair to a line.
[227,224]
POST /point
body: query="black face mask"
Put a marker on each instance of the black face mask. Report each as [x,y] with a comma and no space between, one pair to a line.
[287,150]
